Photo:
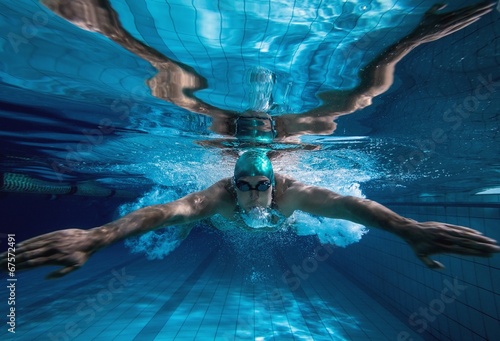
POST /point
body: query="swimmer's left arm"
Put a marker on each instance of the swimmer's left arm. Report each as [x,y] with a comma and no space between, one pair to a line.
[378,76]
[425,238]
[326,203]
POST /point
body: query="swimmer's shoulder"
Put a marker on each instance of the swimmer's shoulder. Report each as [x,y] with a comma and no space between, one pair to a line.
[285,183]
[222,191]
[223,186]
[287,189]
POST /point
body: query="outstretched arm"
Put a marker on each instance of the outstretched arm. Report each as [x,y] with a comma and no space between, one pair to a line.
[425,238]
[71,248]
[174,82]
[377,77]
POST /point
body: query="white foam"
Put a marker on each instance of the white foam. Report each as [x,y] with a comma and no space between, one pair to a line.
[155,244]
[331,231]
[341,171]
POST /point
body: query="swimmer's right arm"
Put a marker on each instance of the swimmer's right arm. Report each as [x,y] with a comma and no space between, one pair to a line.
[71,248]
[193,207]
[174,82]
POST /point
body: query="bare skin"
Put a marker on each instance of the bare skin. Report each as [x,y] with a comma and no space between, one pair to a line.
[71,248]
[177,83]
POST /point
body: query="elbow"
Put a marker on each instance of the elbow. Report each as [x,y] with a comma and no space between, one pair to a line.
[177,219]
[352,207]
[350,200]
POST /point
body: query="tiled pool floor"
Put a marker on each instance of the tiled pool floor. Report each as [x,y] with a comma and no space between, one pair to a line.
[200,292]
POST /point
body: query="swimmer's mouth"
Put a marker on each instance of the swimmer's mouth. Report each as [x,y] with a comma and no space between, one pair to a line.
[253,207]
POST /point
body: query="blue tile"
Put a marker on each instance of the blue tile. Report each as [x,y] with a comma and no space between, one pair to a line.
[483,274]
[469,272]
[460,311]
[492,330]
[472,297]
[454,330]
[494,266]
[492,213]
[487,299]
[495,279]
[492,228]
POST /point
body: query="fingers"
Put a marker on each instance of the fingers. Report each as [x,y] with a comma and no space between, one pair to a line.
[62,272]
[470,248]
[34,257]
[479,240]
[447,238]
[463,238]
[430,263]
[461,15]
[466,248]
[46,239]
[483,6]
[436,25]
[36,252]
[32,252]
[435,8]
[30,243]
[462,24]
[467,17]
[455,232]
[38,260]
[463,18]
[462,228]
[19,259]
[473,12]
[464,244]
[459,231]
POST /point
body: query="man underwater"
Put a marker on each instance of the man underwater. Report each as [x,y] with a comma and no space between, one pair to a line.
[256,199]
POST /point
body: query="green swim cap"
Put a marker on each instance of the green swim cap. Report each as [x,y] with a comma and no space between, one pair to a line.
[254,163]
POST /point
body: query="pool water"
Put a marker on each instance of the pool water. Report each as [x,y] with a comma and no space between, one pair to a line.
[155,99]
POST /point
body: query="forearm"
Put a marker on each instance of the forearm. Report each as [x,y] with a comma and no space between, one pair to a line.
[375,79]
[190,208]
[135,223]
[326,203]
[372,214]
[378,75]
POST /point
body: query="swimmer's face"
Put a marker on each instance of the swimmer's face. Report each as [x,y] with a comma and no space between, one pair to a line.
[253,197]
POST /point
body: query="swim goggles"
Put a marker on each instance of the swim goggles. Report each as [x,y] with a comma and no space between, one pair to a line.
[261,186]
[255,129]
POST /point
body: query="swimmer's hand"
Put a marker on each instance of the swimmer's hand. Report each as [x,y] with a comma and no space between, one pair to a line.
[69,248]
[428,238]
[435,25]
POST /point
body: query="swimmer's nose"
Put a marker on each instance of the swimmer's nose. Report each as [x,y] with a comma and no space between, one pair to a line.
[254,194]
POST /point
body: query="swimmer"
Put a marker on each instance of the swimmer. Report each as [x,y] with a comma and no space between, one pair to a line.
[177,83]
[253,189]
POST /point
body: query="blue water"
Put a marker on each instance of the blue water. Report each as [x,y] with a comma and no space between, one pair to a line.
[78,107]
